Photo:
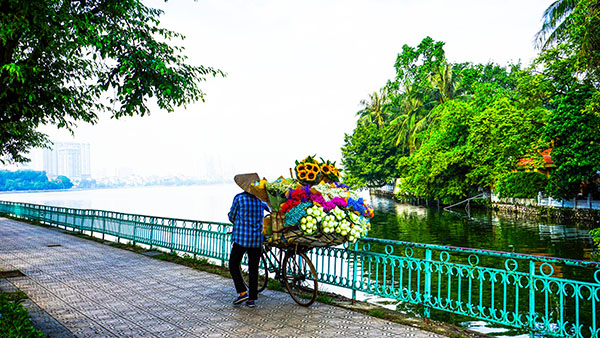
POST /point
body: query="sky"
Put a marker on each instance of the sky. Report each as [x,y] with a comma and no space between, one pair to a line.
[296,74]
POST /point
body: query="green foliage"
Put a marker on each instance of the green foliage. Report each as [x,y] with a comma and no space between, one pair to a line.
[576,23]
[437,169]
[461,128]
[67,61]
[64,181]
[596,236]
[31,180]
[14,319]
[369,156]
[571,62]
[584,32]
[415,64]
[504,128]
[471,144]
[574,128]
[521,184]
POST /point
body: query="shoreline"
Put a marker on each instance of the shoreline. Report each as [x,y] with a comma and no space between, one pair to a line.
[578,215]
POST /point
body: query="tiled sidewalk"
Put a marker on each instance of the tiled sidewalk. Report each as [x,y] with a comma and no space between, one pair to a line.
[94,290]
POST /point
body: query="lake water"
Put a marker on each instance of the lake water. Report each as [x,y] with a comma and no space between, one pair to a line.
[392,220]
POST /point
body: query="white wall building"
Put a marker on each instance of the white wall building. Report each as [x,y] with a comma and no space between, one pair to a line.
[68,159]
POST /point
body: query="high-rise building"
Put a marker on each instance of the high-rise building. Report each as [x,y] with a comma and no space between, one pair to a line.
[68,159]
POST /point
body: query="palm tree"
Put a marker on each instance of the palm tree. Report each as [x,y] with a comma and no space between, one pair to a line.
[417,104]
[576,21]
[376,109]
[446,84]
[556,20]
[411,105]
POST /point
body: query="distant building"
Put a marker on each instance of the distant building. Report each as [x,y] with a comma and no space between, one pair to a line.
[68,159]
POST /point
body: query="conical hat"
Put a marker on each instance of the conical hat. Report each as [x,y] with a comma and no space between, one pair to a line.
[245,181]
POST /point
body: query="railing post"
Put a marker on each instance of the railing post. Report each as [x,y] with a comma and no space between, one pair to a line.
[135,229]
[119,230]
[195,239]
[152,220]
[103,225]
[427,291]
[354,272]
[223,244]
[531,299]
[172,230]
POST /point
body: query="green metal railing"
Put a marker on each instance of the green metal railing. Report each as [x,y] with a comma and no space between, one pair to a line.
[542,295]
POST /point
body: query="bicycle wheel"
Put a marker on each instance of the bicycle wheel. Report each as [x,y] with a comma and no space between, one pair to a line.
[263,275]
[300,278]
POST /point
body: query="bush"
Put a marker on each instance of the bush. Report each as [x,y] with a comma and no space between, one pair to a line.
[521,184]
[14,319]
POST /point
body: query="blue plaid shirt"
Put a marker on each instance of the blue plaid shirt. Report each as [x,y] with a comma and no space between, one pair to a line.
[246,214]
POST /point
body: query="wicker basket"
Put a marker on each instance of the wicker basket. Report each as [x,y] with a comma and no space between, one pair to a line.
[277,222]
[294,236]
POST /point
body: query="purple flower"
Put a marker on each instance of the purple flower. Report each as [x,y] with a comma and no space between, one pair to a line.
[340,202]
[328,206]
[317,198]
[342,185]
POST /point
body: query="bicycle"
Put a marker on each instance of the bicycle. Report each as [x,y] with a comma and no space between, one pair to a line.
[292,268]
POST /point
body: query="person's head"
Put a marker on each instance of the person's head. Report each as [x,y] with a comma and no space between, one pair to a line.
[245,181]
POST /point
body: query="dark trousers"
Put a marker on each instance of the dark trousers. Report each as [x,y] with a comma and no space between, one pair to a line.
[237,252]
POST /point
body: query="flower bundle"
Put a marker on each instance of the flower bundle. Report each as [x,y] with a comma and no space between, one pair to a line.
[317,204]
[329,171]
[277,190]
[308,170]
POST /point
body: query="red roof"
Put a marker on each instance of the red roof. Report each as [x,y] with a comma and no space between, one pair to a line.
[545,155]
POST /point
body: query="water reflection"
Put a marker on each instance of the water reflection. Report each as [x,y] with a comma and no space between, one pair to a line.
[482,230]
[485,230]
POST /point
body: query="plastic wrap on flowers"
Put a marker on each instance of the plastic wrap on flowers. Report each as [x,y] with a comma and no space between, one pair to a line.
[318,210]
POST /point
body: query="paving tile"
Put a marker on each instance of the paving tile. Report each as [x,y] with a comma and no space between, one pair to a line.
[93,290]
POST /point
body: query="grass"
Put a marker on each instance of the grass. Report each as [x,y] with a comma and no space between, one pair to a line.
[14,318]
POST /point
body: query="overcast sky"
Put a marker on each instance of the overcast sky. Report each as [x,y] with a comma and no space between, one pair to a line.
[297,71]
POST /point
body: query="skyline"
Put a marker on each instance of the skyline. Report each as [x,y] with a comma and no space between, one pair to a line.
[296,76]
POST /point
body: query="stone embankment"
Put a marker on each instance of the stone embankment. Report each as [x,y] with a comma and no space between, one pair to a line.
[518,207]
[555,213]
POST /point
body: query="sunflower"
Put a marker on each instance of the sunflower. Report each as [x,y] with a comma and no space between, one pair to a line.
[325,169]
[311,176]
[302,174]
[308,166]
[316,169]
[300,167]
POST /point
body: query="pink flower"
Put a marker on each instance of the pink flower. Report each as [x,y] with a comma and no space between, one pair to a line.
[317,198]
[328,206]
[340,202]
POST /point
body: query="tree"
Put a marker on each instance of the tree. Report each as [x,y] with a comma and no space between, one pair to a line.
[60,61]
[412,92]
[576,22]
[573,79]
[556,19]
[574,129]
[472,144]
[409,106]
[369,156]
[375,110]
[64,182]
